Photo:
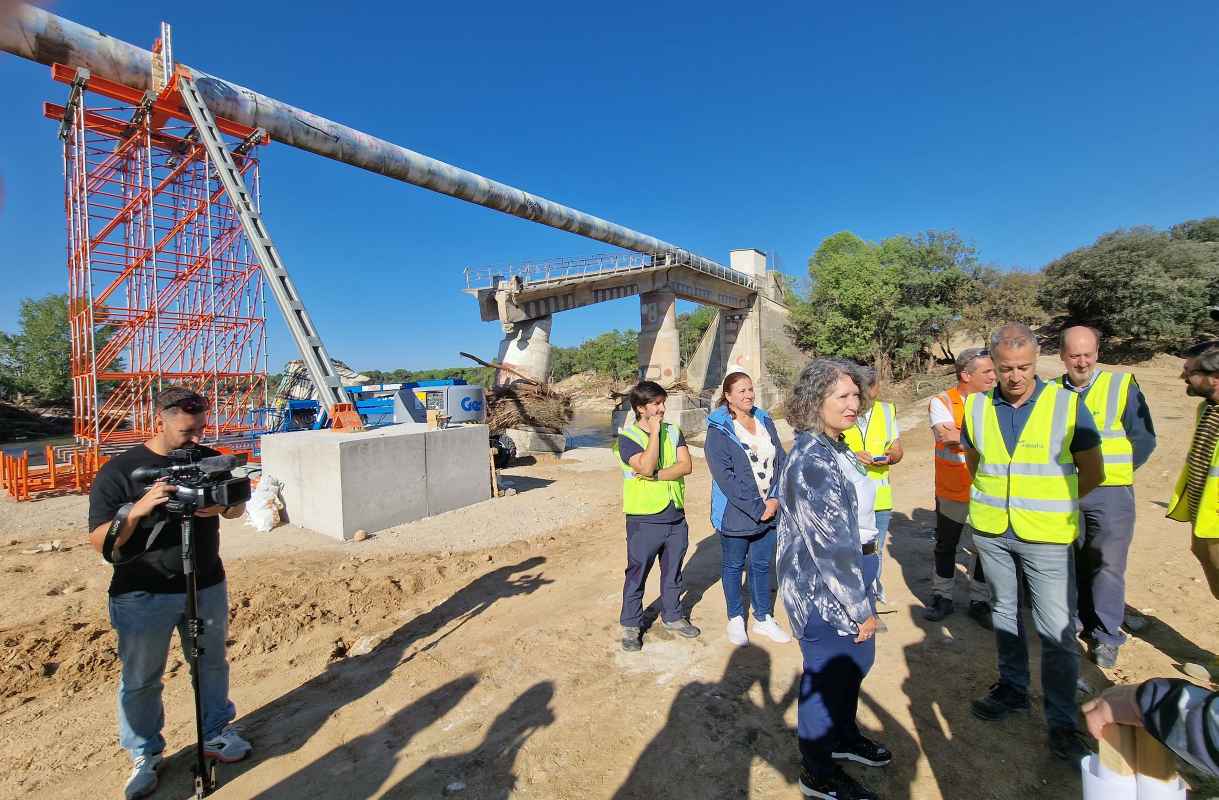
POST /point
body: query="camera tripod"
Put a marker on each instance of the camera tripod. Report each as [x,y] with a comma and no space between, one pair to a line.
[204,769]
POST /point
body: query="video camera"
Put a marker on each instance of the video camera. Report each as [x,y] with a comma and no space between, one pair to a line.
[199,482]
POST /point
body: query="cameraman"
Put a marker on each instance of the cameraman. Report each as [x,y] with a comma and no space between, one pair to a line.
[148,590]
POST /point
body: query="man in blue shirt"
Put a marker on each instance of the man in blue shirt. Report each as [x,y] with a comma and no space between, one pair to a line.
[1046,566]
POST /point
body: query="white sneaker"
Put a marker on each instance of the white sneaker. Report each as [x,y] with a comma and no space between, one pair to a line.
[769,627]
[736,631]
[143,780]
[226,748]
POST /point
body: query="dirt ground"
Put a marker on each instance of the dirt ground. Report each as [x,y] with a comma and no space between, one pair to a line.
[480,648]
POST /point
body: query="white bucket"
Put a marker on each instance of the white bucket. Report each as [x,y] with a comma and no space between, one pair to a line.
[1151,789]
[1102,784]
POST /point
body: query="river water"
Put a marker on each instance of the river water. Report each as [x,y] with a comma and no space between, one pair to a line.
[589,429]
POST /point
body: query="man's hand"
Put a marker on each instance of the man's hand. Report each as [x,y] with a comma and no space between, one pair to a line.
[867,630]
[1117,705]
[157,495]
[772,508]
[864,457]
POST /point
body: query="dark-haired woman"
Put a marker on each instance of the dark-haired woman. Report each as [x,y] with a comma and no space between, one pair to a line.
[744,455]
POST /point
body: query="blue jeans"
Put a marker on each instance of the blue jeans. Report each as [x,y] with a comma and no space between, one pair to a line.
[834,669]
[1049,574]
[145,623]
[760,549]
[883,518]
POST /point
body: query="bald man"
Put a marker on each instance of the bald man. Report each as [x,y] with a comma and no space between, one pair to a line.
[1107,513]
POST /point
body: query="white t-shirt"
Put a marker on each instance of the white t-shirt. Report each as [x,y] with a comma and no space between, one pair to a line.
[939,413]
[865,494]
[761,454]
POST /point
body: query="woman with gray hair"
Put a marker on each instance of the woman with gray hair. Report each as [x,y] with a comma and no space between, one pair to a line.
[827,581]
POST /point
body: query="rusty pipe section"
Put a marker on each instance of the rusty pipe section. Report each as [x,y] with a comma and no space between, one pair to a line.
[41,36]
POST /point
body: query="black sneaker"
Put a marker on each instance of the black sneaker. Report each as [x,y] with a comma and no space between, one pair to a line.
[836,786]
[999,702]
[682,627]
[940,607]
[864,751]
[979,612]
[1068,744]
[630,640]
[1105,655]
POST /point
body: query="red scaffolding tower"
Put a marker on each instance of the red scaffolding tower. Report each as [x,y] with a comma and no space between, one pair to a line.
[163,287]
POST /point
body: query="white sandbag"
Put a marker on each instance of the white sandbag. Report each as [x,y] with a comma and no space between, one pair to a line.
[262,510]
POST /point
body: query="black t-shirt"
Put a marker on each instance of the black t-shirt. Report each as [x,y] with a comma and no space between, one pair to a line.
[114,488]
[628,448]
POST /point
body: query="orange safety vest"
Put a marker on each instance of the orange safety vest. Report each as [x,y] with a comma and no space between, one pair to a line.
[952,478]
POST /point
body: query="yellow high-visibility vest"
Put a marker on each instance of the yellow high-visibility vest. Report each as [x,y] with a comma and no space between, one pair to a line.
[878,434]
[644,495]
[1206,521]
[1035,490]
[1106,399]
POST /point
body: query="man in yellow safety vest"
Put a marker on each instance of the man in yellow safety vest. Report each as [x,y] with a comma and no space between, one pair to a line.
[1196,496]
[654,460]
[1033,451]
[1107,513]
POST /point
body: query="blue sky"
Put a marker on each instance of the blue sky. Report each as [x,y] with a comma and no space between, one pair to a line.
[1030,129]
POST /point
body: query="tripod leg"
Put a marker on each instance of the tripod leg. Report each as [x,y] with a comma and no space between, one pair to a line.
[205,771]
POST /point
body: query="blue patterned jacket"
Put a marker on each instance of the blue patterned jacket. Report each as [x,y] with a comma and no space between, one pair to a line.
[820,559]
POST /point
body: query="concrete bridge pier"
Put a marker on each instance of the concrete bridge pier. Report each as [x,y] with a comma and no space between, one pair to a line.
[526,348]
[659,343]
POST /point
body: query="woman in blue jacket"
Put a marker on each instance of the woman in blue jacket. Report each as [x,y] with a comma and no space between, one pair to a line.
[744,454]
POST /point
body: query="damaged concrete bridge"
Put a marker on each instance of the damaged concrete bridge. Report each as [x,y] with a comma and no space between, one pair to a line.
[750,320]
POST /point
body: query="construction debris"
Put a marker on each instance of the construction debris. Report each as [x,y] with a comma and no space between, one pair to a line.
[524,403]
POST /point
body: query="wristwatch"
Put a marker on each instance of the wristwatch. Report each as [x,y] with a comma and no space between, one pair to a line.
[120,518]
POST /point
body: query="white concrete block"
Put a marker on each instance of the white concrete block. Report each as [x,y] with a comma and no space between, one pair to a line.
[458,467]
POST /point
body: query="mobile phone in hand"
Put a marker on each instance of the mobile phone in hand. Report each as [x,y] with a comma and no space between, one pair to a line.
[880,459]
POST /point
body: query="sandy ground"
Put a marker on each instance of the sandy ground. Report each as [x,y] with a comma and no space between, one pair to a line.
[480,647]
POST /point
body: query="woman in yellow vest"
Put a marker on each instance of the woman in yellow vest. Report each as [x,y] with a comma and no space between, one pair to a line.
[654,460]
[875,438]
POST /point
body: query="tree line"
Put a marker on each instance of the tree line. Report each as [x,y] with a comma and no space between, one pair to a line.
[897,304]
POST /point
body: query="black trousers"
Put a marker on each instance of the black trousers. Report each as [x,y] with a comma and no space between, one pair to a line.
[645,541]
[947,539]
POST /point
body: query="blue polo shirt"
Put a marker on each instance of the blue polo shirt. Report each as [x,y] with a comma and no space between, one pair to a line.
[1012,420]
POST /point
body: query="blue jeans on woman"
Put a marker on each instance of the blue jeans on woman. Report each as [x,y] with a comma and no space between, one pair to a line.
[759,550]
[834,669]
[145,624]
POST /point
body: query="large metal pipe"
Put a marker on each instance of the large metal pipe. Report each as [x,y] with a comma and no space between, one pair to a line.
[41,36]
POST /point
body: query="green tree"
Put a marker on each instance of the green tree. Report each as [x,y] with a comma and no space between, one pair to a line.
[883,304]
[995,296]
[36,360]
[690,330]
[1142,285]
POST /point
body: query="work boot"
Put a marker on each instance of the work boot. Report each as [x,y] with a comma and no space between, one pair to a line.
[630,639]
[1068,744]
[864,751]
[838,785]
[1001,701]
[979,612]
[1104,655]
[940,607]
[682,627]
[143,780]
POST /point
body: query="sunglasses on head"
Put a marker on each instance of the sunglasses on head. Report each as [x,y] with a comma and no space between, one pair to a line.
[191,405]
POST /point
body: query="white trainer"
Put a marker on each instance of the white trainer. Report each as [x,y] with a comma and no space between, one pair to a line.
[143,780]
[226,748]
[736,631]
[769,628]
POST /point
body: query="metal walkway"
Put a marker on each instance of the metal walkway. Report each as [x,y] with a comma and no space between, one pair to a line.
[559,270]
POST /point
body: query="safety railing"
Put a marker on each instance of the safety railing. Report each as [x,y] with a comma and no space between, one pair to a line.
[538,273]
